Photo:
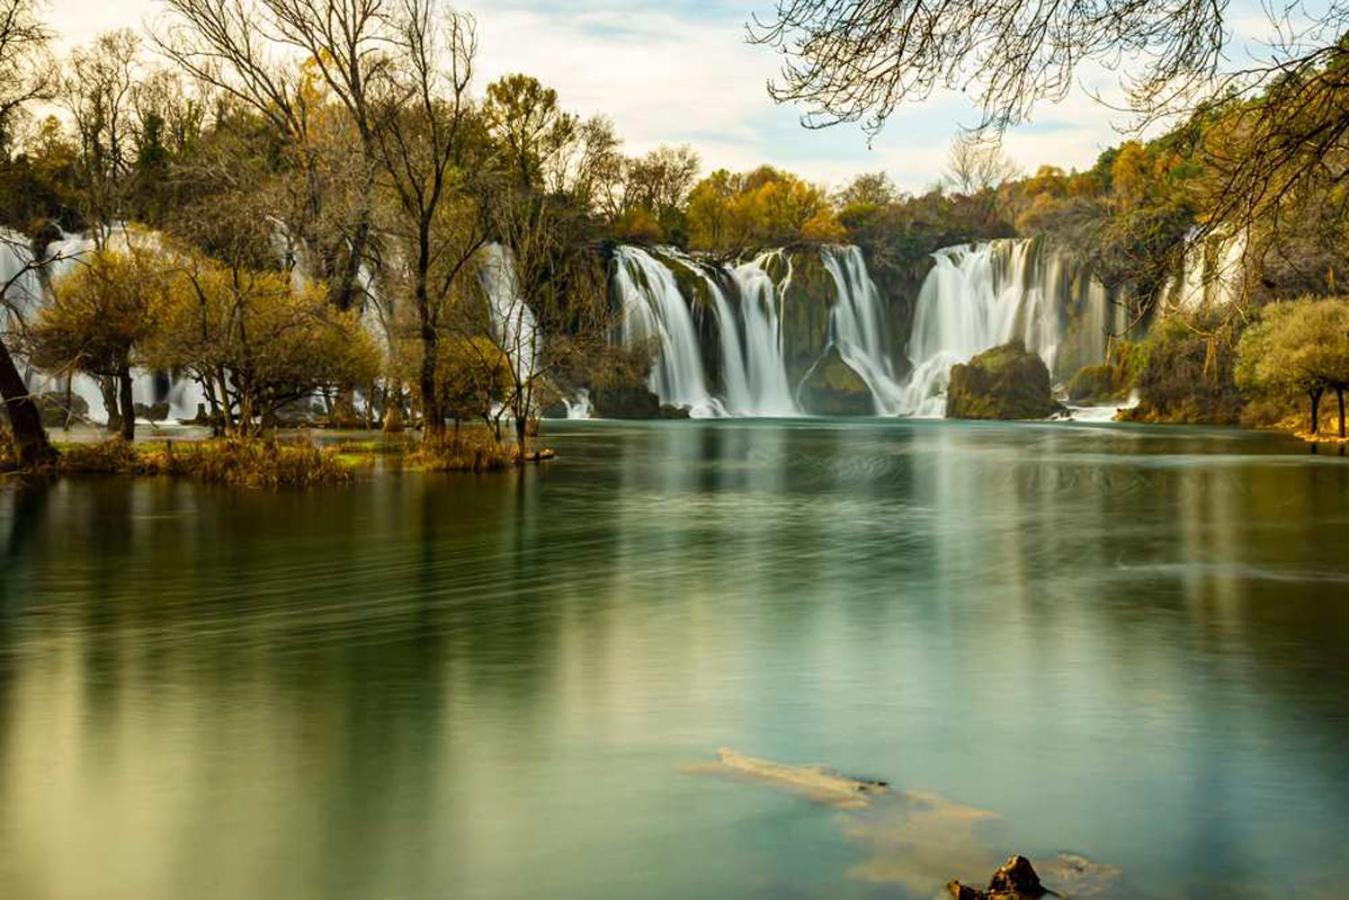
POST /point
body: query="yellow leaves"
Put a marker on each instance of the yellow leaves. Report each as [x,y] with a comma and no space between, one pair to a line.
[1129,174]
[729,212]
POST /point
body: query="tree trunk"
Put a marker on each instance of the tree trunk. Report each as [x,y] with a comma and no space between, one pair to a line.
[521,436]
[1315,395]
[24,418]
[112,407]
[127,403]
[1339,395]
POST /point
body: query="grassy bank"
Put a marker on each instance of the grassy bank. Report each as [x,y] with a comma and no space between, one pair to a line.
[279,462]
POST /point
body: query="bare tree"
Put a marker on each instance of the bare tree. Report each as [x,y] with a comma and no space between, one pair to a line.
[975,165]
[26,70]
[426,143]
[25,75]
[1285,114]
[858,60]
[267,54]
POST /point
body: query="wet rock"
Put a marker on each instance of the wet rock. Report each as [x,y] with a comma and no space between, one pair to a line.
[1007,382]
[1014,880]
[55,412]
[154,412]
[626,403]
[833,388]
[667,411]
[555,410]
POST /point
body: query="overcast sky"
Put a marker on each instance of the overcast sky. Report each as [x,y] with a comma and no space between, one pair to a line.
[680,71]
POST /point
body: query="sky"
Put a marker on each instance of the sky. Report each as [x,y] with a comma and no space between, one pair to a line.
[682,72]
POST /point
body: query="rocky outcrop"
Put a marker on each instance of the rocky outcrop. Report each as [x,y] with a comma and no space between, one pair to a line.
[1006,382]
[833,388]
[626,403]
[1014,880]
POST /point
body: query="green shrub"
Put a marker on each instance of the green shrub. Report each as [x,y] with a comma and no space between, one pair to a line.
[1183,372]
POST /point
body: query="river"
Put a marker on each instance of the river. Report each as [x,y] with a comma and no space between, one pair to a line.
[1123,642]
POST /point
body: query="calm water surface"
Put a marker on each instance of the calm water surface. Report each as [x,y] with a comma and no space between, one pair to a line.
[1127,643]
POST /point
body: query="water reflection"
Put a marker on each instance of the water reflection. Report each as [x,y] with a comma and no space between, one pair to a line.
[1123,641]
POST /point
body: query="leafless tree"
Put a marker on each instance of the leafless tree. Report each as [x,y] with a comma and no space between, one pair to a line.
[26,70]
[975,165]
[425,144]
[274,56]
[1288,117]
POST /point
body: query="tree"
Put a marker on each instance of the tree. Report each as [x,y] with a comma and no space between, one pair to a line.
[1301,346]
[431,150]
[97,92]
[255,342]
[26,70]
[974,166]
[533,131]
[1288,112]
[868,189]
[245,48]
[24,76]
[99,317]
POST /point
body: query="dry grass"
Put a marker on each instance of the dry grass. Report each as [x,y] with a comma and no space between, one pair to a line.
[238,463]
[471,450]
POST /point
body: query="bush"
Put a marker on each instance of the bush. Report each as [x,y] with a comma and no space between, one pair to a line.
[469,450]
[1184,373]
[1098,384]
[238,463]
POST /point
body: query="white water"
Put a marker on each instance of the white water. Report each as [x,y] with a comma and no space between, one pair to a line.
[747,303]
[654,311]
[857,327]
[1212,274]
[765,369]
[513,321]
[980,296]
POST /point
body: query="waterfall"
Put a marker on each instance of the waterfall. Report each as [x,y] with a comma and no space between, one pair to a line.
[655,312]
[1212,273]
[857,327]
[19,280]
[765,371]
[512,319]
[979,296]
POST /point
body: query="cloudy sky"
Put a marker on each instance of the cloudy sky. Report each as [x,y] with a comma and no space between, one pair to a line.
[680,71]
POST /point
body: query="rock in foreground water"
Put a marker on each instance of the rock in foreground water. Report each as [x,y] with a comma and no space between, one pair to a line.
[1014,880]
[1007,382]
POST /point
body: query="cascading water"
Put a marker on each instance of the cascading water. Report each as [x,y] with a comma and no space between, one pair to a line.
[655,311]
[765,371]
[980,296]
[1212,273]
[512,319]
[857,329]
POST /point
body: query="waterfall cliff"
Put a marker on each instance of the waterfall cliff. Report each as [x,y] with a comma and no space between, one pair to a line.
[808,331]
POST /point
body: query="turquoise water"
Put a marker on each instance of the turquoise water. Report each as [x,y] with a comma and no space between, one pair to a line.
[1122,642]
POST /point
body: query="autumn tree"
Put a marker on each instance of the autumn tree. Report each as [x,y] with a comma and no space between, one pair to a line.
[99,317]
[1299,346]
[255,341]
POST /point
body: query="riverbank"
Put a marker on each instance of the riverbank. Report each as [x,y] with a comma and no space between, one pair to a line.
[297,460]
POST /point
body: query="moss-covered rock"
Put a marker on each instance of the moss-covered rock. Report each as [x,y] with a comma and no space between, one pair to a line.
[1007,382]
[833,388]
[1105,383]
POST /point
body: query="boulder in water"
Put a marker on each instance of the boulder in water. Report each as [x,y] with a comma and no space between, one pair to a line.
[626,403]
[1014,880]
[669,411]
[152,412]
[833,388]
[1006,382]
